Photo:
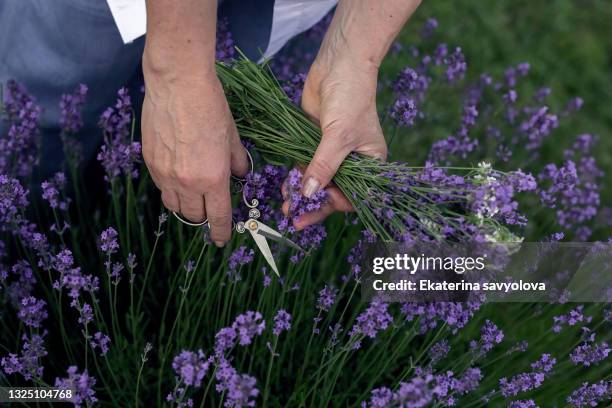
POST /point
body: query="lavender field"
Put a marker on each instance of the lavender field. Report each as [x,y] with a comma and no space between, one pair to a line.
[105,292]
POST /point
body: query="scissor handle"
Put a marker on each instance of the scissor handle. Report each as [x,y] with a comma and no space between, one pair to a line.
[239,181]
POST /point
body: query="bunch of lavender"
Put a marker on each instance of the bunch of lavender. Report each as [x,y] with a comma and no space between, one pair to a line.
[393,200]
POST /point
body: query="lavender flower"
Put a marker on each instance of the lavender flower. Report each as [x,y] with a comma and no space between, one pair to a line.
[293,87]
[282,322]
[438,351]
[191,367]
[225,339]
[522,404]
[429,27]
[490,335]
[247,326]
[101,341]
[70,110]
[28,363]
[239,389]
[241,256]
[589,353]
[404,112]
[571,318]
[119,155]
[589,395]
[32,311]
[327,298]
[455,314]
[530,380]
[82,386]
[19,148]
[224,47]
[53,189]
[23,285]
[108,241]
[373,320]
[13,201]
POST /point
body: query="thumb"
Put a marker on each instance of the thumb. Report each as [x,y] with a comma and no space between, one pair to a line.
[330,154]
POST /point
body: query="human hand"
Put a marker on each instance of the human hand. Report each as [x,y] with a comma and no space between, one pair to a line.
[190,145]
[339,94]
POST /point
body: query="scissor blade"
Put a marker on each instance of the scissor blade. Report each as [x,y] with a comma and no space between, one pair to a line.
[277,236]
[263,246]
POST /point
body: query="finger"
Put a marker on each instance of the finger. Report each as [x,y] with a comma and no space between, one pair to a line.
[239,162]
[219,210]
[284,190]
[170,200]
[330,154]
[191,206]
[338,200]
[311,218]
[285,208]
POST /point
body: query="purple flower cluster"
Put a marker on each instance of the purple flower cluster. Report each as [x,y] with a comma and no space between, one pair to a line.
[224,47]
[589,353]
[374,319]
[490,335]
[438,351]
[239,389]
[19,147]
[108,241]
[71,106]
[82,386]
[191,367]
[522,404]
[13,202]
[71,277]
[53,190]
[27,364]
[282,322]
[589,395]
[32,311]
[404,111]
[454,314]
[571,318]
[529,380]
[101,341]
[118,154]
[293,87]
[241,256]
[327,298]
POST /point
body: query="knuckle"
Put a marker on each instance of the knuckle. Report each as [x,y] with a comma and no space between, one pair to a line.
[215,178]
[186,179]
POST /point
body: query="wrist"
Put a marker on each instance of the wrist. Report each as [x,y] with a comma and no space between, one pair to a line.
[170,65]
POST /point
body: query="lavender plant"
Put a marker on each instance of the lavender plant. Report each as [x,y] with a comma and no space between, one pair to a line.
[127,307]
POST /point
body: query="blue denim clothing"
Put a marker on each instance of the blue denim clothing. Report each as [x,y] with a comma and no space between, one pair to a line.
[53,45]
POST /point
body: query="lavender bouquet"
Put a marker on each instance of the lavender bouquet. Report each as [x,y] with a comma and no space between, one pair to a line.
[393,200]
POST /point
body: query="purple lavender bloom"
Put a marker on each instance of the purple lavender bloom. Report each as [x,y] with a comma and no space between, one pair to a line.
[241,256]
[82,386]
[589,395]
[294,86]
[455,314]
[429,27]
[409,83]
[538,126]
[32,311]
[541,94]
[85,313]
[53,189]
[247,326]
[71,277]
[119,155]
[239,389]
[469,381]
[381,398]
[522,404]
[438,351]
[404,112]
[225,339]
[589,353]
[224,48]
[490,335]
[455,66]
[19,148]
[28,363]
[571,318]
[13,201]
[528,381]
[100,340]
[108,241]
[327,298]
[22,286]
[282,322]
[70,110]
[374,319]
[191,367]
[573,105]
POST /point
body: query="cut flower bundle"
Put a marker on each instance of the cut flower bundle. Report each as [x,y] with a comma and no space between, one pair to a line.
[395,201]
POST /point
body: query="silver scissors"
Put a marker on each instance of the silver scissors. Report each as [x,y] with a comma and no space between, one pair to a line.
[258,230]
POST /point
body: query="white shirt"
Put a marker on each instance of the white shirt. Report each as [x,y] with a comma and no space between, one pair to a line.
[289,18]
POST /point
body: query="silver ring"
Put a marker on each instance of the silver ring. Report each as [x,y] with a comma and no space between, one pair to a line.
[202,223]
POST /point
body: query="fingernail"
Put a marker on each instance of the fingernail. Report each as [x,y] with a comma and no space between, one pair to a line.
[311,187]
[220,244]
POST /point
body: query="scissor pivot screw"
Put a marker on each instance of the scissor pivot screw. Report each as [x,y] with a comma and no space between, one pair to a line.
[252,225]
